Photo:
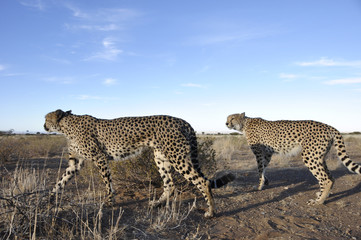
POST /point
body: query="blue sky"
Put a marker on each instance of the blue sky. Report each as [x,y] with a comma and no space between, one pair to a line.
[198,60]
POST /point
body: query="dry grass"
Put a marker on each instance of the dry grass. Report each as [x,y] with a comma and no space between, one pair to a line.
[79,213]
[26,213]
[228,147]
[171,215]
[30,146]
[232,151]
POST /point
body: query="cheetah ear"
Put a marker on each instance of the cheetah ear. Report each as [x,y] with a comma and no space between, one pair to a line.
[242,115]
[60,114]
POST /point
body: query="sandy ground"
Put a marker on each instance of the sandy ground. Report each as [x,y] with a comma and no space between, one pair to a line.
[278,212]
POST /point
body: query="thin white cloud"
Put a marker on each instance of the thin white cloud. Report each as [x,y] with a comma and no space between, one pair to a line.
[234,35]
[60,80]
[14,74]
[94,27]
[2,67]
[105,27]
[343,81]
[76,11]
[326,62]
[192,85]
[85,97]
[110,82]
[117,15]
[205,40]
[207,104]
[38,4]
[108,43]
[60,60]
[216,39]
[204,69]
[100,20]
[288,76]
[109,52]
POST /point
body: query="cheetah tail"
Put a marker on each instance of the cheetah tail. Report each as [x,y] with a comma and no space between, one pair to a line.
[342,155]
[219,182]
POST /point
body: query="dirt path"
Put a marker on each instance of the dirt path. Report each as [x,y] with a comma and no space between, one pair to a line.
[278,212]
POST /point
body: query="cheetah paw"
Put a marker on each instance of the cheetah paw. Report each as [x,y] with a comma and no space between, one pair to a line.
[311,202]
[209,214]
[109,202]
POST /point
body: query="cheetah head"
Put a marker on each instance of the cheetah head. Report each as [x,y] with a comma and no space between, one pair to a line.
[236,121]
[52,120]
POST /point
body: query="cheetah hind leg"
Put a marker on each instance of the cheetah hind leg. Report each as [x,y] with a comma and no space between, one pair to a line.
[326,182]
[163,199]
[102,164]
[204,185]
[164,169]
[323,194]
[210,201]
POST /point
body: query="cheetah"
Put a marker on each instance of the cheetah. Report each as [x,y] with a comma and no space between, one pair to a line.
[313,139]
[172,139]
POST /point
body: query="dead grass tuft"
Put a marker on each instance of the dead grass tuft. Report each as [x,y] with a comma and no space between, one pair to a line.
[26,213]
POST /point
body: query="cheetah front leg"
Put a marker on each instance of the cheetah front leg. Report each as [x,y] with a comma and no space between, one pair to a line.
[263,160]
[75,165]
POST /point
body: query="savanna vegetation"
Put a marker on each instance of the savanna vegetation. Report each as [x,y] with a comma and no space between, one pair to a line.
[31,164]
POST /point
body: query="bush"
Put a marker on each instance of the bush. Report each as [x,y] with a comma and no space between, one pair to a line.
[207,156]
[141,170]
[234,134]
[137,171]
